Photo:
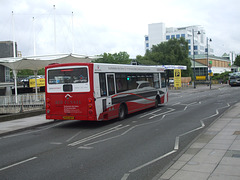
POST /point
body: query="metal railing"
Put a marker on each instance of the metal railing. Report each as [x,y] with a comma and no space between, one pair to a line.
[26,102]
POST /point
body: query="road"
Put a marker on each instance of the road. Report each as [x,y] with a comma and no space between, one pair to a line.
[138,147]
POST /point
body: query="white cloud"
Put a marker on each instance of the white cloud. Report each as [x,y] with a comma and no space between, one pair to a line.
[113,26]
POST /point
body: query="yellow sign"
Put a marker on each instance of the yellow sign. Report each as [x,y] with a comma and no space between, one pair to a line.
[210,74]
[200,77]
[177,78]
[40,82]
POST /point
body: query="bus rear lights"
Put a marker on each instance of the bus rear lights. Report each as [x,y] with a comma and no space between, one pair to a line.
[90,106]
[48,111]
[89,100]
[66,70]
[48,106]
[90,111]
[48,100]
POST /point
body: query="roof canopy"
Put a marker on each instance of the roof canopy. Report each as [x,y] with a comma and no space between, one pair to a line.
[39,62]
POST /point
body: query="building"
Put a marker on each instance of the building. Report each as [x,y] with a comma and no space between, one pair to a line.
[158,33]
[205,61]
[6,50]
[217,65]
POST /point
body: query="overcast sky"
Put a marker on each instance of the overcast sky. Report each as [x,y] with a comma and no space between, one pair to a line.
[113,25]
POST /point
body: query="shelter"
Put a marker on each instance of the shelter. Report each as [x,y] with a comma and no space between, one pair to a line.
[38,62]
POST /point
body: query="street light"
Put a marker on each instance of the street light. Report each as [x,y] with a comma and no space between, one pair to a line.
[194,71]
[208,65]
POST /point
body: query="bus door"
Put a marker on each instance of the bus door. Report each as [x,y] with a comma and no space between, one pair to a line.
[111,88]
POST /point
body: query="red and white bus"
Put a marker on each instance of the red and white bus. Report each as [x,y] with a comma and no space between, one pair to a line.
[97,92]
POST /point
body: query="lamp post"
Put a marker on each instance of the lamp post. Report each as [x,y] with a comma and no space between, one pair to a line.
[208,65]
[194,70]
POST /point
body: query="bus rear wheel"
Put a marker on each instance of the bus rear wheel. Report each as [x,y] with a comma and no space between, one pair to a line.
[157,102]
[122,112]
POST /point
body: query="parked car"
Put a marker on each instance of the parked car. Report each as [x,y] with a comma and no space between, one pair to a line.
[234,81]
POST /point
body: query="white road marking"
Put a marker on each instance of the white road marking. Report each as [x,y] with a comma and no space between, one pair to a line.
[155,115]
[108,131]
[75,135]
[125,176]
[176,145]
[16,164]
[151,113]
[85,147]
[56,143]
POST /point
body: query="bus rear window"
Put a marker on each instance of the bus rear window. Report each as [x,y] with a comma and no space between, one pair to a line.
[71,75]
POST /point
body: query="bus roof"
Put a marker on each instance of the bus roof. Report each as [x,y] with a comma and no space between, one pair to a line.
[104,67]
[100,67]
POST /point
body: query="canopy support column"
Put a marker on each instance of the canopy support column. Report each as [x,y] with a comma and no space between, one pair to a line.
[36,90]
[15,84]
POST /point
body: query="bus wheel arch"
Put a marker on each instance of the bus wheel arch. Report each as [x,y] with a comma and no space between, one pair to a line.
[122,111]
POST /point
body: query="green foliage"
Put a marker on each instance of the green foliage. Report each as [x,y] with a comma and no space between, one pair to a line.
[172,52]
[116,58]
[26,72]
[237,61]
[221,77]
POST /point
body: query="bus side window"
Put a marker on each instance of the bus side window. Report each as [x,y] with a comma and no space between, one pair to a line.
[102,81]
[163,80]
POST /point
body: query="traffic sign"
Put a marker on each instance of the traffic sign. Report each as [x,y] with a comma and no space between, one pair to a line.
[177,78]
[210,74]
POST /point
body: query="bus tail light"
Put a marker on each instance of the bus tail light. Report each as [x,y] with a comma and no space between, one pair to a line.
[90,111]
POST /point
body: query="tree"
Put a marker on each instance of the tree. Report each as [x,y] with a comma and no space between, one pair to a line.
[116,58]
[237,61]
[172,52]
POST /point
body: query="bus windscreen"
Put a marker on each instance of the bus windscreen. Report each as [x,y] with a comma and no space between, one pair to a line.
[71,75]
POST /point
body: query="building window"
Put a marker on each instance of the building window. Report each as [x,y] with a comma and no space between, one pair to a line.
[183,35]
[189,47]
[195,47]
[189,41]
[178,36]
[172,36]
[167,37]
[146,38]
[147,45]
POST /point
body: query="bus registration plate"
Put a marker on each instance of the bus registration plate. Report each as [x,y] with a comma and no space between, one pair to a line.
[68,117]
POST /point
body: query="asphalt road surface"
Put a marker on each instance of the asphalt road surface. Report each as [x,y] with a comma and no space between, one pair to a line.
[138,147]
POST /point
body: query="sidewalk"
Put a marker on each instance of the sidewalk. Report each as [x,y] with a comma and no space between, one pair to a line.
[24,123]
[215,155]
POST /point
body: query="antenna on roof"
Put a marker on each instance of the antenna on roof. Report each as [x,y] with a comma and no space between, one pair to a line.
[14,50]
[72,36]
[55,50]
[34,38]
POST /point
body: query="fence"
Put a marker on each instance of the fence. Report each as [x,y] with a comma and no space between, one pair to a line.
[26,102]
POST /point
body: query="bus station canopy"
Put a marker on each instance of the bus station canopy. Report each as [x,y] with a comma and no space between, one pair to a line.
[38,62]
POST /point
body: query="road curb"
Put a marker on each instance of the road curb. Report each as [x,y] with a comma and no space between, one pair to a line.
[21,115]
